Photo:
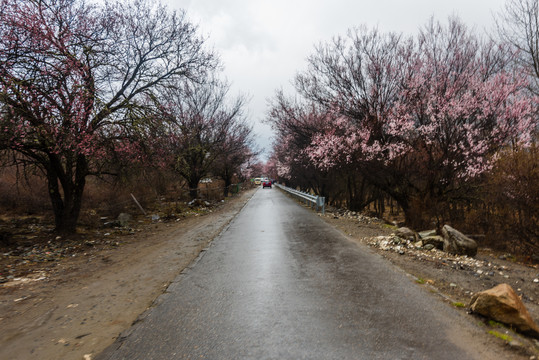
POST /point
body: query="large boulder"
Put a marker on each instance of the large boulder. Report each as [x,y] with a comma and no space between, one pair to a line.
[502,304]
[457,243]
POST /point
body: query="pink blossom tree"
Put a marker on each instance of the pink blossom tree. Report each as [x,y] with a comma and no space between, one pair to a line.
[252,168]
[295,124]
[356,79]
[421,119]
[450,127]
[329,169]
[72,75]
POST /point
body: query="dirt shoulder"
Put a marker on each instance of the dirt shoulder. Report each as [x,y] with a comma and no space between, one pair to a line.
[455,279]
[77,310]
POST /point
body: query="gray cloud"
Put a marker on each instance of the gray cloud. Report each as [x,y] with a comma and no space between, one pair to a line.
[264,43]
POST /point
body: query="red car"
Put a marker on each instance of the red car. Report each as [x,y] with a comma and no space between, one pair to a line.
[266,183]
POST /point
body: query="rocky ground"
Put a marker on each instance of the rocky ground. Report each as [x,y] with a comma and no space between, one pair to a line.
[454,278]
[70,298]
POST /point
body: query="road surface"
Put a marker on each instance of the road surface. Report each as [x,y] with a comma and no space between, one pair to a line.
[279,283]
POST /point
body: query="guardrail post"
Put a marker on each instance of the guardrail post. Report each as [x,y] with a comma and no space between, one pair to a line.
[317,202]
[323,201]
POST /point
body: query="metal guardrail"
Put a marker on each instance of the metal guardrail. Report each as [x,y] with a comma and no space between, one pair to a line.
[319,202]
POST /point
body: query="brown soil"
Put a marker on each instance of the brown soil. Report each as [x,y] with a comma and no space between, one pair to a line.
[71,302]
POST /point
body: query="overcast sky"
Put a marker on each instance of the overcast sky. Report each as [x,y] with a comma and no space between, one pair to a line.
[263,43]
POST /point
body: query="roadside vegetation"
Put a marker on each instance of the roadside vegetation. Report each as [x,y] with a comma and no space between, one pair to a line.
[103,103]
[432,129]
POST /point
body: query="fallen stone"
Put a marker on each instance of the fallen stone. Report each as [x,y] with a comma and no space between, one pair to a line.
[435,240]
[456,242]
[397,240]
[406,233]
[112,224]
[124,219]
[502,304]
[426,233]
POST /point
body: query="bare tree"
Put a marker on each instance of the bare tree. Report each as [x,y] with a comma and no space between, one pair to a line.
[202,123]
[235,152]
[518,25]
[359,74]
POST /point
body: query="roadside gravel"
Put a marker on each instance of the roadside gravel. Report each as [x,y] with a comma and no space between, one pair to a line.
[454,278]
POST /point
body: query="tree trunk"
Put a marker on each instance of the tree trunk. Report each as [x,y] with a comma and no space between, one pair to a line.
[193,187]
[415,215]
[358,199]
[228,181]
[350,190]
[67,208]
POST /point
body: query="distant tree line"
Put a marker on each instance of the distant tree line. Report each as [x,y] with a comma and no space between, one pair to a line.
[442,124]
[101,89]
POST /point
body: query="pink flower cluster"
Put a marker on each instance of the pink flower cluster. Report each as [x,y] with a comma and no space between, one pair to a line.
[448,105]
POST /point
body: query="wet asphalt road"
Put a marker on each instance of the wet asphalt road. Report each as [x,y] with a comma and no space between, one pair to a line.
[280,283]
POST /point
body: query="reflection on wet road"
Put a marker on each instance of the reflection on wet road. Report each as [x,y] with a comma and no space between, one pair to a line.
[280,283]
